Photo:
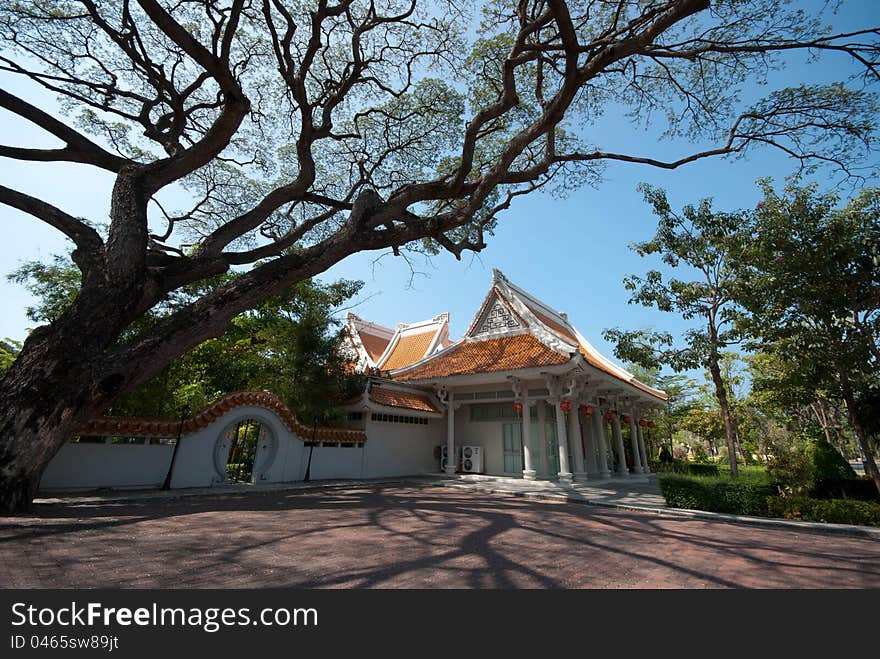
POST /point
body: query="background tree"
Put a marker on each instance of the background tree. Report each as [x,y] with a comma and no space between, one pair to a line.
[291,345]
[810,285]
[698,240]
[348,125]
[680,389]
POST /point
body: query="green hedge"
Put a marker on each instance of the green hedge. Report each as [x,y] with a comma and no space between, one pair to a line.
[682,467]
[740,497]
[832,511]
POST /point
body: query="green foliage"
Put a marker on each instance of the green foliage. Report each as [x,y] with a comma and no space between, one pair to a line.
[705,424]
[9,350]
[744,496]
[789,466]
[809,273]
[54,284]
[288,344]
[830,511]
[827,463]
[810,466]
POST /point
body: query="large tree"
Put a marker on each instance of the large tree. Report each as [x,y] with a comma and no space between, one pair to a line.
[810,283]
[346,125]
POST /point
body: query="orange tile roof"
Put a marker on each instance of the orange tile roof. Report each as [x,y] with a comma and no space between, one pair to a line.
[374,345]
[142,427]
[566,334]
[502,354]
[408,350]
[403,399]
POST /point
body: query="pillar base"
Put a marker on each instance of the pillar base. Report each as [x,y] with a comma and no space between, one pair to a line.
[580,477]
[450,470]
[565,478]
[530,475]
[624,473]
[637,470]
[605,474]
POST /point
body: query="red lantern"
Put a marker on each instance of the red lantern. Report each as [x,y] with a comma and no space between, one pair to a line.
[517,407]
[626,418]
[565,406]
[643,423]
[586,410]
[650,424]
[610,415]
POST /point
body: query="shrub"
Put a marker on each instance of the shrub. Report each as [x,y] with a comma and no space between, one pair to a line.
[790,467]
[699,453]
[860,487]
[832,511]
[827,462]
[682,467]
[746,496]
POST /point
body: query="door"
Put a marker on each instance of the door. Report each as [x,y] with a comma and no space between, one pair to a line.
[513,450]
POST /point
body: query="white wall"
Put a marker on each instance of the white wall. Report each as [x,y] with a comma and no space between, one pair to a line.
[391,449]
[402,449]
[488,434]
[89,465]
[329,462]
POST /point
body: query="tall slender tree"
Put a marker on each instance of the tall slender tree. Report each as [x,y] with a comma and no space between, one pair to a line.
[700,240]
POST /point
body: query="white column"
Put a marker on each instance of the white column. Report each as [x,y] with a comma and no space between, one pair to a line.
[562,441]
[592,464]
[529,472]
[577,446]
[542,439]
[452,461]
[599,431]
[643,452]
[634,445]
[618,446]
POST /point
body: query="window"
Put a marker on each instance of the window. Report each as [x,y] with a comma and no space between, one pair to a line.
[394,418]
[355,416]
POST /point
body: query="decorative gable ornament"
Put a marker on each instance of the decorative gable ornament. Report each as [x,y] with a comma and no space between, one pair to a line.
[498,319]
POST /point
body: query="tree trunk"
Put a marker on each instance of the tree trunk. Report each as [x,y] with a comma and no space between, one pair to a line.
[852,411]
[821,417]
[47,394]
[721,395]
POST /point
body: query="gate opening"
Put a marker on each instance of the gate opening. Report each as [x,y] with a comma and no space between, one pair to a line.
[243,451]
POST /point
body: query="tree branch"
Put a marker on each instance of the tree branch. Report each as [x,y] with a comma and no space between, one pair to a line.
[78,147]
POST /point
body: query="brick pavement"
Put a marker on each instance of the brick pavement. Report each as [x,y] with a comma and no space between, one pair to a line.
[391,536]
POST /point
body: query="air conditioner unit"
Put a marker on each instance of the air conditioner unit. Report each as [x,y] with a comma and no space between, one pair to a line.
[444,457]
[472,459]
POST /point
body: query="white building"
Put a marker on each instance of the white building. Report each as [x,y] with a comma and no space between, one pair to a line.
[522,394]
[519,359]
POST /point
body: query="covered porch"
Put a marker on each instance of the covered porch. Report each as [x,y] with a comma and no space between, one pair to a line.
[557,424]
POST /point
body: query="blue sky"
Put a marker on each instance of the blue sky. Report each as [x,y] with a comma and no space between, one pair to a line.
[571,253]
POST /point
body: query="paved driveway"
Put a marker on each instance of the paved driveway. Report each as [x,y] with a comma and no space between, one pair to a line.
[411,537]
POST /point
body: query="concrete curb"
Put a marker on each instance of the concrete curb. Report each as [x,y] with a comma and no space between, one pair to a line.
[686,513]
